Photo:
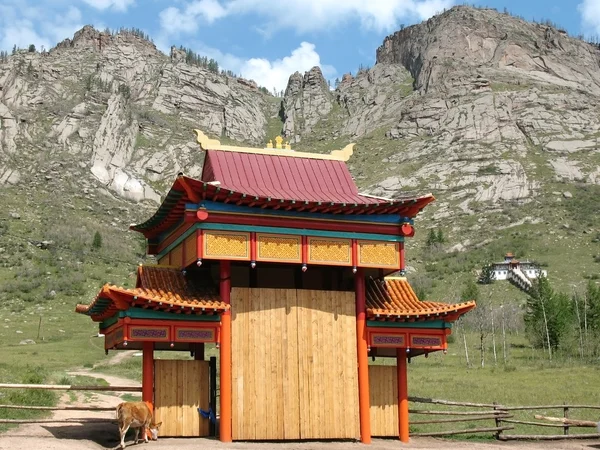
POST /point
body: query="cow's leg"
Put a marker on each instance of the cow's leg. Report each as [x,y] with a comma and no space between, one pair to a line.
[123,431]
[137,435]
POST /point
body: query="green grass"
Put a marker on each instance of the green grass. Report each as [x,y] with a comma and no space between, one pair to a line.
[26,397]
[527,378]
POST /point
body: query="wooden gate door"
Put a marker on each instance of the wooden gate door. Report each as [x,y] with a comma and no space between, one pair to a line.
[180,388]
[294,365]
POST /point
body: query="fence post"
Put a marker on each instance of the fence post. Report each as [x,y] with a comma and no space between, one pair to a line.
[498,421]
[566,416]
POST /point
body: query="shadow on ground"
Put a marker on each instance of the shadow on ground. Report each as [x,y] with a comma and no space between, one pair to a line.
[104,434]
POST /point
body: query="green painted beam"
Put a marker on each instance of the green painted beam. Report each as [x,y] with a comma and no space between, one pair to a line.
[137,313]
[439,324]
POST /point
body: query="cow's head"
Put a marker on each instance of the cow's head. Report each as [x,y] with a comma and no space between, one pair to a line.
[152,432]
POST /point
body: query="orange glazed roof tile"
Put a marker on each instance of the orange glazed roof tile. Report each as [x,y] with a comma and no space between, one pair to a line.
[157,287]
[394,299]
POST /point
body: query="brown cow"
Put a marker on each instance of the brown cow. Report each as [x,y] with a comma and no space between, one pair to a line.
[136,415]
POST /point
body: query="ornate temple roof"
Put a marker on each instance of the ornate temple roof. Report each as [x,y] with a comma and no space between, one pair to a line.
[158,288]
[393,299]
[275,179]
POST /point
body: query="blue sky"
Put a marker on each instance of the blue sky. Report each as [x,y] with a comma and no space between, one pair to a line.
[265,40]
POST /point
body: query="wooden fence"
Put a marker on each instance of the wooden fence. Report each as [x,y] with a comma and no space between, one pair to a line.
[64,387]
[501,419]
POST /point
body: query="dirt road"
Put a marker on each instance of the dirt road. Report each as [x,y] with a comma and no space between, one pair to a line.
[83,436]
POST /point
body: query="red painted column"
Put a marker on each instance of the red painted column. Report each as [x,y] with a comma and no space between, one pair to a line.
[225,355]
[148,372]
[401,368]
[363,358]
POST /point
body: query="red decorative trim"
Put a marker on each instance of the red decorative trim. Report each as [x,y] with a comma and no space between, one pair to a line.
[199,244]
[192,195]
[387,340]
[304,249]
[252,246]
[189,334]
[354,253]
[149,333]
[428,341]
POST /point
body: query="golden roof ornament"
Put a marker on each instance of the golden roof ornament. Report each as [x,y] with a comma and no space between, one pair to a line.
[207,143]
[278,141]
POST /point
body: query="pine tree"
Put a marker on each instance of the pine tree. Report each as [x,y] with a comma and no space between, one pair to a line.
[487,275]
[97,242]
[431,238]
[440,237]
[548,315]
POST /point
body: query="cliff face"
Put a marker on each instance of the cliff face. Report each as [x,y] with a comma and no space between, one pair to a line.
[443,53]
[119,110]
[478,106]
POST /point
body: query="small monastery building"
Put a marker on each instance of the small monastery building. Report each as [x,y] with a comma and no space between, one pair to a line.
[276,258]
[520,273]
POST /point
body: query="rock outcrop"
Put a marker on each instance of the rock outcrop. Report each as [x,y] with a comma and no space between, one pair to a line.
[306,101]
[120,107]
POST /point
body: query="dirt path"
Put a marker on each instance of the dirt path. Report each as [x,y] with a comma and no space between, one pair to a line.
[76,436]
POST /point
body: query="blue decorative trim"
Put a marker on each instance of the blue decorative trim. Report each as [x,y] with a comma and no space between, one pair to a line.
[246,210]
[302,232]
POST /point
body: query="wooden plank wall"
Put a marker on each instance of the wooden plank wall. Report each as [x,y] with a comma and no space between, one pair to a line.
[383,394]
[181,387]
[190,250]
[177,256]
[328,365]
[294,366]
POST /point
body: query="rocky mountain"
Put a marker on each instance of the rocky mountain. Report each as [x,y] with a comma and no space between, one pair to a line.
[120,109]
[498,117]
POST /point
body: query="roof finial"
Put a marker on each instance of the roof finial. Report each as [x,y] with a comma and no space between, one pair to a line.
[270,144]
[278,141]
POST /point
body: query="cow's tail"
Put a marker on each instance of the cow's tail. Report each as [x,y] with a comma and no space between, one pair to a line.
[119,410]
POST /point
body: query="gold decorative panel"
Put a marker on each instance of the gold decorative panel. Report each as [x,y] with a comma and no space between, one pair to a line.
[330,251]
[190,249]
[227,245]
[378,254]
[277,247]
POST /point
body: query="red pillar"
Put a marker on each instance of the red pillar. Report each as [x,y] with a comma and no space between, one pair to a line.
[363,358]
[148,372]
[402,394]
[225,355]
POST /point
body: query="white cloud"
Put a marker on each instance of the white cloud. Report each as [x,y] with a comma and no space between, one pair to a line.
[175,21]
[116,5]
[22,24]
[590,15]
[270,74]
[275,74]
[304,15]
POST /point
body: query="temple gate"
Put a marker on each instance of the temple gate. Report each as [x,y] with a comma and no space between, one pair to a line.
[275,257]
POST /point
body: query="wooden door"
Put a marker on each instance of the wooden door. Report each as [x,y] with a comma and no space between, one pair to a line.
[294,365]
[180,388]
[383,393]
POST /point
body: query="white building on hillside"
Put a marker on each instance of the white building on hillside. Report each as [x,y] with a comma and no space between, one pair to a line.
[517,272]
